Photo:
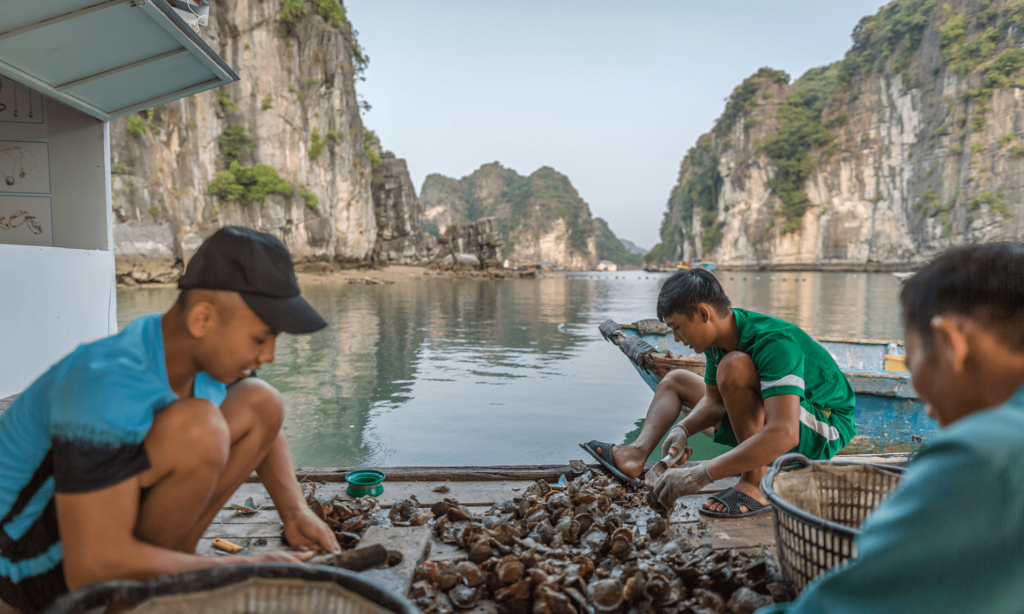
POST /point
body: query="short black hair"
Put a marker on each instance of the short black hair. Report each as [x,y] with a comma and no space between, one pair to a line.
[686,289]
[982,282]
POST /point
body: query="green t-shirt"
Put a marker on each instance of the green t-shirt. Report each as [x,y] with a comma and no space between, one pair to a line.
[788,361]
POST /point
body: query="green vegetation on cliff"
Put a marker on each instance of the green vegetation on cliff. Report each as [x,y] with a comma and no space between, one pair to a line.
[697,192]
[245,184]
[801,131]
[895,31]
[744,98]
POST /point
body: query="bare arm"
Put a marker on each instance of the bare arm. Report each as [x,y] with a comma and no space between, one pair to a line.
[278,476]
[780,434]
[303,530]
[97,535]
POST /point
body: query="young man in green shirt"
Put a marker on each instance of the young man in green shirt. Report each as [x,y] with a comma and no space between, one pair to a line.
[768,389]
[948,538]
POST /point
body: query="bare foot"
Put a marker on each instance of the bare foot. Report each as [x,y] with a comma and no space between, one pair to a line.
[629,459]
[746,488]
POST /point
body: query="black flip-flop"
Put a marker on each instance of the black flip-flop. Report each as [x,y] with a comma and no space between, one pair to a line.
[732,499]
[605,458]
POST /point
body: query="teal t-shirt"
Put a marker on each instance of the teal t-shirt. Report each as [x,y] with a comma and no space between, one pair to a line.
[950,538]
[80,427]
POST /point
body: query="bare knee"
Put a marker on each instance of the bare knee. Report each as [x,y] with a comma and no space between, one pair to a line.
[261,401]
[189,433]
[689,387]
[736,371]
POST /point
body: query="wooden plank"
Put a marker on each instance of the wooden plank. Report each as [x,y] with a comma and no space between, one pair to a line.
[473,494]
[895,459]
[496,473]
[502,473]
[205,546]
[470,494]
[412,542]
[234,532]
[750,532]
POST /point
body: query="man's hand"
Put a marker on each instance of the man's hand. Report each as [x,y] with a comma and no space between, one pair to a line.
[307,533]
[675,443]
[680,482]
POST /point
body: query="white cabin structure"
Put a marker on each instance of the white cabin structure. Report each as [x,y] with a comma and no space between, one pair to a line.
[67,67]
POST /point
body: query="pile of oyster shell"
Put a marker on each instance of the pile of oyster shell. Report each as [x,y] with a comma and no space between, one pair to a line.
[577,549]
[348,518]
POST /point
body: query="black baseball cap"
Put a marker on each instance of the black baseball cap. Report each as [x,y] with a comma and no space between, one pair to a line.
[257,266]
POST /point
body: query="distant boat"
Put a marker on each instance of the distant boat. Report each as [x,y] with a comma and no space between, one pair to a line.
[902,276]
[607,265]
[887,413]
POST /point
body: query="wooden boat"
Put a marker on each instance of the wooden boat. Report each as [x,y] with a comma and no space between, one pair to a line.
[888,414]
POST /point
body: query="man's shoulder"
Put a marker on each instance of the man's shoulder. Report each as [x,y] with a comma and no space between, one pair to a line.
[107,385]
[996,433]
[756,325]
[125,356]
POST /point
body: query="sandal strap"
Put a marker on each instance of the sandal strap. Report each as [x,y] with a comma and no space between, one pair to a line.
[606,450]
[732,498]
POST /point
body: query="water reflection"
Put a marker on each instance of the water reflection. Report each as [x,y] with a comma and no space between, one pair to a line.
[474,372]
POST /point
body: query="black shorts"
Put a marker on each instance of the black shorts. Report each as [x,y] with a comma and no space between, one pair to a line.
[34,593]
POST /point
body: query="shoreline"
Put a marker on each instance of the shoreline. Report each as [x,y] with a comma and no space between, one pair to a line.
[317,273]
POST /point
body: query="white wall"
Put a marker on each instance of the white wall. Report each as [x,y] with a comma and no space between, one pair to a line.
[51,300]
[54,298]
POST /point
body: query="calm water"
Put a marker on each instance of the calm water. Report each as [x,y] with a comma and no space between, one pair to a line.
[473,372]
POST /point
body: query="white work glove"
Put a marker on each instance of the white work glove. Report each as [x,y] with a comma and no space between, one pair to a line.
[675,443]
[680,482]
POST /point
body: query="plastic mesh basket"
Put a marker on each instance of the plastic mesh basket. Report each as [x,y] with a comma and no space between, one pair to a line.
[818,508]
[272,588]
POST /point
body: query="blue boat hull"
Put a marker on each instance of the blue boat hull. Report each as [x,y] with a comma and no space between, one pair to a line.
[888,414]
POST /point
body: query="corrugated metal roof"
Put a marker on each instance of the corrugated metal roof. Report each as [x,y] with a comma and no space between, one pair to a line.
[106,58]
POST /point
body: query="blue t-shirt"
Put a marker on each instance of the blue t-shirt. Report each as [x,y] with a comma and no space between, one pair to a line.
[80,428]
[949,538]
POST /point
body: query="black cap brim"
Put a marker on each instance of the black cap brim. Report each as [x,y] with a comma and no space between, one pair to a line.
[291,315]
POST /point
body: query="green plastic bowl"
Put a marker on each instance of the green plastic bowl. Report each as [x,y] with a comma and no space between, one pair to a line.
[364,483]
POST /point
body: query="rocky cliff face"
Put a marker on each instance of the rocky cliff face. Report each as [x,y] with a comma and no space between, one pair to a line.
[401,239]
[282,150]
[913,143]
[540,217]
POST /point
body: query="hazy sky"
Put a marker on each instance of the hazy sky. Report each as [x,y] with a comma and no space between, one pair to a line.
[612,94]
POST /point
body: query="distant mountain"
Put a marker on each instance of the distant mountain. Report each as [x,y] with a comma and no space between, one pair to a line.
[541,217]
[633,247]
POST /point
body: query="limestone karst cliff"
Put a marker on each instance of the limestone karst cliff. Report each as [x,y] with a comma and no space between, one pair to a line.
[912,143]
[283,150]
[540,217]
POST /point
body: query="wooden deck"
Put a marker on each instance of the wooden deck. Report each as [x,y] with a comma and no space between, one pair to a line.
[477,488]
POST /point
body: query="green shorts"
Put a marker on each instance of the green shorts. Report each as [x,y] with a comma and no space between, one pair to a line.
[822,433]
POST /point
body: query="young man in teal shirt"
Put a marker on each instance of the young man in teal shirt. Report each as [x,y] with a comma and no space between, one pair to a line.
[768,389]
[114,462]
[950,537]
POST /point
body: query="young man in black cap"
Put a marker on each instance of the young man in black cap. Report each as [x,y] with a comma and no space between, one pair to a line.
[115,461]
